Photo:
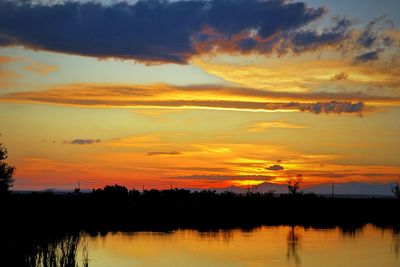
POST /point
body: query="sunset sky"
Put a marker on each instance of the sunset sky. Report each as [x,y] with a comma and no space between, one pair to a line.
[197,93]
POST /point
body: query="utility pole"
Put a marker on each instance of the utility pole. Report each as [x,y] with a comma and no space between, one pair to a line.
[333,190]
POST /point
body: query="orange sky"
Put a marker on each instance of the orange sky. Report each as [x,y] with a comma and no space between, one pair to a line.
[225,117]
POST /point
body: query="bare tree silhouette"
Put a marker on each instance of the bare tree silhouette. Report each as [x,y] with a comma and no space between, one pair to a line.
[294,184]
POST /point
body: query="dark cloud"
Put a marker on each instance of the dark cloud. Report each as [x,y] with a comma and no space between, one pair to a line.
[83,141]
[372,34]
[158,153]
[368,37]
[388,41]
[275,167]
[305,40]
[5,41]
[331,107]
[154,30]
[368,56]
[373,40]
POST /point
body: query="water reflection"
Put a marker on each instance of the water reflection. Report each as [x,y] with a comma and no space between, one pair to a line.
[263,246]
[351,231]
[293,246]
[396,241]
[45,250]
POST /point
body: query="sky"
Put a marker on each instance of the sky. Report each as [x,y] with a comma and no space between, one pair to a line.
[199,94]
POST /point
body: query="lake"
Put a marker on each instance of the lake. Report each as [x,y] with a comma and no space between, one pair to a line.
[263,246]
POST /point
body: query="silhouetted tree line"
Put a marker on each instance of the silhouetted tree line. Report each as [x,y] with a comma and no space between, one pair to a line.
[6,172]
[114,207]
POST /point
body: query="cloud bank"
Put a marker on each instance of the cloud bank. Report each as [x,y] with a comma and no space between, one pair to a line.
[159,31]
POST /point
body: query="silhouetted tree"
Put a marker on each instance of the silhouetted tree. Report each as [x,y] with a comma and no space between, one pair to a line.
[396,189]
[134,193]
[115,190]
[294,184]
[6,171]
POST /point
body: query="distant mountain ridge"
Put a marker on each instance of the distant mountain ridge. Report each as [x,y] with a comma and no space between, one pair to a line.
[351,188]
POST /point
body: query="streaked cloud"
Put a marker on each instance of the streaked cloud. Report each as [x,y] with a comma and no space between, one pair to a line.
[7,59]
[226,177]
[314,75]
[40,68]
[199,97]
[368,56]
[7,76]
[163,153]
[263,126]
[82,141]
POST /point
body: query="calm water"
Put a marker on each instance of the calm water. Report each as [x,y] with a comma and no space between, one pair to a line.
[265,246]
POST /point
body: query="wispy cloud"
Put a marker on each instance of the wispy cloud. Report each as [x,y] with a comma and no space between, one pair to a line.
[82,141]
[40,68]
[368,56]
[7,76]
[7,59]
[263,126]
[319,78]
[226,177]
[163,153]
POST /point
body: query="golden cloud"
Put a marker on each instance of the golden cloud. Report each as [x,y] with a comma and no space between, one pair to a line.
[199,97]
[307,74]
[263,126]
